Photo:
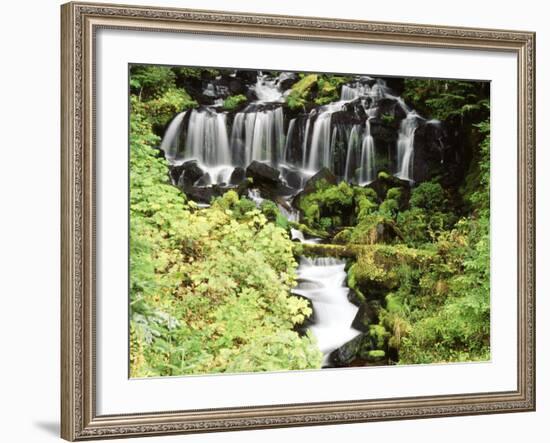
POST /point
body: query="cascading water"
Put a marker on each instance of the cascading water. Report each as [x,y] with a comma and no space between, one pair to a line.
[321,280]
[368,169]
[337,135]
[405,147]
[258,135]
[170,142]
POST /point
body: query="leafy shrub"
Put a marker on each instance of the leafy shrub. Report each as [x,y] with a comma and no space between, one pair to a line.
[209,288]
[233,102]
[151,81]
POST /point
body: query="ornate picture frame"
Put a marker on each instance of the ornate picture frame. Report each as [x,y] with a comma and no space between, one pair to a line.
[80,22]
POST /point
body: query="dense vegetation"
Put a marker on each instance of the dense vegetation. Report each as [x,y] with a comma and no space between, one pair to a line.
[210,287]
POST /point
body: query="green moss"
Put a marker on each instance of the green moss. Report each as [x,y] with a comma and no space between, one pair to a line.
[379,335]
[343,237]
[329,88]
[300,92]
[233,102]
[387,119]
[376,355]
[161,110]
[429,196]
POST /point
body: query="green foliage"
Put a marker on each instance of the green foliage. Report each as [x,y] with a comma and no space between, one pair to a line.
[324,208]
[429,196]
[233,102]
[442,99]
[329,87]
[209,288]
[300,91]
[151,81]
[315,89]
[161,110]
[195,73]
[477,184]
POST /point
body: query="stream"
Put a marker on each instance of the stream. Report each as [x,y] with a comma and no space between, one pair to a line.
[322,281]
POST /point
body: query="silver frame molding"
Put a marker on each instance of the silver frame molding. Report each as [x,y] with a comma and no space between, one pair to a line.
[79,22]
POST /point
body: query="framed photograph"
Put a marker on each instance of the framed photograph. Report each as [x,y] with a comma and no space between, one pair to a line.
[284,221]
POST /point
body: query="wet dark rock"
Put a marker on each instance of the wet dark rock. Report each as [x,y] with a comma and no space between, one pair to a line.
[382,131]
[205,180]
[293,179]
[348,352]
[323,174]
[430,146]
[385,181]
[200,194]
[391,110]
[237,176]
[186,174]
[396,84]
[366,315]
[262,173]
[287,80]
[267,180]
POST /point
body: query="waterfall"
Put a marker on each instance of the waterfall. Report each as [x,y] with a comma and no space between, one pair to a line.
[322,281]
[171,141]
[267,89]
[351,92]
[289,138]
[405,147]
[336,135]
[320,142]
[207,139]
[368,167]
[304,143]
[353,144]
[258,135]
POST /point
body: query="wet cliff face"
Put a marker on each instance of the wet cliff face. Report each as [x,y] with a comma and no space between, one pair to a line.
[356,126]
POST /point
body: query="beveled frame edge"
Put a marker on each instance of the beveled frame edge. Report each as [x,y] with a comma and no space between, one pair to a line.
[78,24]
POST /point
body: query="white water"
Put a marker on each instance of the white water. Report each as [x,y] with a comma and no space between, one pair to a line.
[321,280]
[405,146]
[170,142]
[258,135]
[261,132]
[207,138]
[368,169]
[267,89]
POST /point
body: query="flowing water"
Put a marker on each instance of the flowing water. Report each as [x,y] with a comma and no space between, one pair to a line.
[262,131]
[405,147]
[322,280]
[324,137]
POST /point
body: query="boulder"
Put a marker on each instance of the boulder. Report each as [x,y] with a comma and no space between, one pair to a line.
[200,194]
[391,110]
[186,174]
[286,80]
[323,174]
[430,146]
[348,352]
[386,181]
[237,176]
[366,315]
[262,173]
[293,179]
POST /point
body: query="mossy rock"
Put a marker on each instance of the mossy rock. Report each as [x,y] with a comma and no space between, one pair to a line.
[343,237]
[366,316]
[376,355]
[385,181]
